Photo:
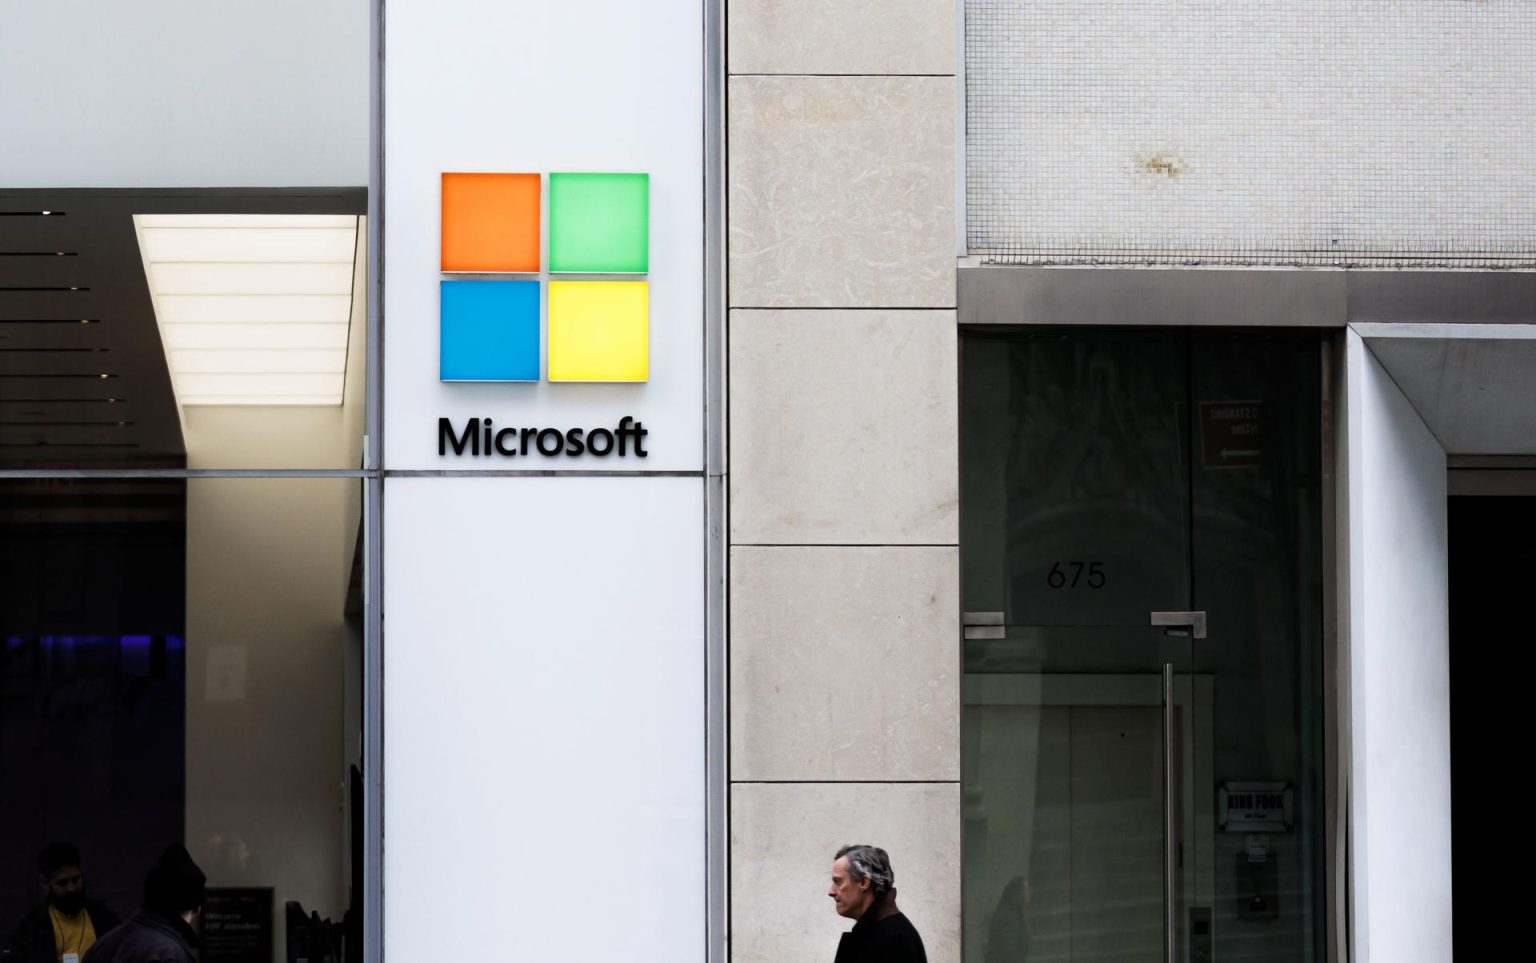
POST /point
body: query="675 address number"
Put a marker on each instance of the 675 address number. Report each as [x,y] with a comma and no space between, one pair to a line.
[1071,575]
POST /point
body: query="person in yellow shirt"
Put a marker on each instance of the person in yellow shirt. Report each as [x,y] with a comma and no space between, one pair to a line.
[65,924]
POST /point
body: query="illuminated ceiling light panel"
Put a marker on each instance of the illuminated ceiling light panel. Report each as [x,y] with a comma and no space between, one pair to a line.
[253,309]
[185,277]
[255,336]
[243,309]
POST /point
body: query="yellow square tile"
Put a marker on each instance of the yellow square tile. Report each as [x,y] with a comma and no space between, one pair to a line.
[599,330]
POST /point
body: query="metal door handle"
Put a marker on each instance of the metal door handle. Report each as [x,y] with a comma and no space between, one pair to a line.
[984,625]
[1170,822]
[1194,621]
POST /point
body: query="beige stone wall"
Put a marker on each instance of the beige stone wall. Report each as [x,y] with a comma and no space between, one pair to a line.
[844,564]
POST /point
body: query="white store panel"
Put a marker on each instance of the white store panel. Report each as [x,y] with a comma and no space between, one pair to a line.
[1399,677]
[184,93]
[476,86]
[544,704]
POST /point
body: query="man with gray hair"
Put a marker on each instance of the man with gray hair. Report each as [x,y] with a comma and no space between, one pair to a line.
[864,889]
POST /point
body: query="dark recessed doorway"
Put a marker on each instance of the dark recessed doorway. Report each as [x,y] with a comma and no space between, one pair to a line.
[1492,558]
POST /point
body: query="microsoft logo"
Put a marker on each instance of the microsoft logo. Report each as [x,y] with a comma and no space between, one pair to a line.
[598,325]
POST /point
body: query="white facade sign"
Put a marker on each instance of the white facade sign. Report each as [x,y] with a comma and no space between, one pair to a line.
[543,311]
[475,87]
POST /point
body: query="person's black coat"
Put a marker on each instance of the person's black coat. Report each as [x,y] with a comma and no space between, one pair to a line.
[32,942]
[147,938]
[882,935]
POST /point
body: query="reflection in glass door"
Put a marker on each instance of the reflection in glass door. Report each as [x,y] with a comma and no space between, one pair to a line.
[1144,611]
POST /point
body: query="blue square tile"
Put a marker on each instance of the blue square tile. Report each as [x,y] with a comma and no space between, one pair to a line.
[488,330]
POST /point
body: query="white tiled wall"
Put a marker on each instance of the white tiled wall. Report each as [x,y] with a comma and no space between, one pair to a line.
[1239,131]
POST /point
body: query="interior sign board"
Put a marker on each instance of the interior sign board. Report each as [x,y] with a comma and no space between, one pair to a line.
[1253,807]
[1230,433]
[237,925]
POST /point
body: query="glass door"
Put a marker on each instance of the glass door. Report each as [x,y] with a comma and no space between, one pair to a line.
[1102,735]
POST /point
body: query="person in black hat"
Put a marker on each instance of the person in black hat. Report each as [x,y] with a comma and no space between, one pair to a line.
[165,930]
[65,924]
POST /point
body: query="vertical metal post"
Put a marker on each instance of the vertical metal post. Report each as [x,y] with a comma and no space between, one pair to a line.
[1335,671]
[372,897]
[717,834]
[1170,825]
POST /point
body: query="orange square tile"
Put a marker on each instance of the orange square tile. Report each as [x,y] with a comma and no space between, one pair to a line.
[490,222]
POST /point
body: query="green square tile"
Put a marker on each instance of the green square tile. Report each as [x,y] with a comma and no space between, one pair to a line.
[599,223]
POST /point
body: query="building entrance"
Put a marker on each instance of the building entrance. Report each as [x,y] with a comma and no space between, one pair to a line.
[1141,546]
[1490,562]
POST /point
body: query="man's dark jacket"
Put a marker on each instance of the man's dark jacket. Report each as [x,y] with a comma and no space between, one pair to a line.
[882,935]
[32,942]
[147,938]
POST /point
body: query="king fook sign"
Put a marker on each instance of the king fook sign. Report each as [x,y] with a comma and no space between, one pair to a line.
[499,296]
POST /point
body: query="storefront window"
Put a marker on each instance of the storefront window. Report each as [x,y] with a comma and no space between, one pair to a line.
[181,660]
[182,640]
[188,651]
